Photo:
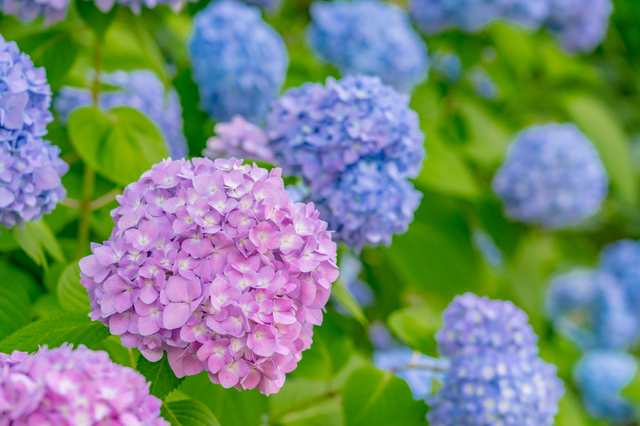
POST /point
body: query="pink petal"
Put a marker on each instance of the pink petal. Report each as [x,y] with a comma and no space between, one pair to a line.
[175,315]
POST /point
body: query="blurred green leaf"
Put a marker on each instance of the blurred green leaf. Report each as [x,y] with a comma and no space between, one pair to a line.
[570,412]
[120,144]
[327,413]
[96,19]
[18,277]
[162,378]
[188,413]
[371,397]
[417,326]
[54,331]
[342,295]
[73,297]
[35,238]
[15,308]
[489,139]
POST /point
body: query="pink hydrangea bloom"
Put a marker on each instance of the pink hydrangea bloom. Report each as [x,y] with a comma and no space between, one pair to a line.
[214,263]
[64,387]
[241,139]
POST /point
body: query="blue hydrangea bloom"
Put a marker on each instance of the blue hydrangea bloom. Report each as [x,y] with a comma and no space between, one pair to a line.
[591,308]
[350,269]
[552,176]
[448,65]
[622,260]
[600,375]
[484,85]
[136,5]
[490,251]
[381,338]
[25,95]
[239,62]
[141,90]
[580,25]
[369,37]
[27,10]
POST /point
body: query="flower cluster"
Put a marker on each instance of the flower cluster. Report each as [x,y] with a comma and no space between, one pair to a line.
[240,139]
[30,167]
[141,90]
[28,10]
[622,261]
[552,176]
[213,262]
[600,375]
[68,387]
[496,376]
[354,142]
[239,62]
[369,37]
[136,5]
[580,25]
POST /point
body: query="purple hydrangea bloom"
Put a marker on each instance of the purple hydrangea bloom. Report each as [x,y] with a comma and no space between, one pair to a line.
[28,10]
[369,37]
[552,176]
[622,260]
[25,95]
[213,263]
[239,62]
[592,308]
[136,5]
[580,25]
[141,90]
[600,375]
[241,139]
[63,386]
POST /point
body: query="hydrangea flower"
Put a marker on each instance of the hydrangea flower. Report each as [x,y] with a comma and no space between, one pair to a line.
[600,375]
[552,176]
[592,308]
[28,10]
[241,139]
[25,95]
[239,62]
[580,25]
[213,263]
[448,65]
[63,386]
[622,260]
[141,90]
[484,85]
[369,37]
[496,376]
[136,5]
[354,142]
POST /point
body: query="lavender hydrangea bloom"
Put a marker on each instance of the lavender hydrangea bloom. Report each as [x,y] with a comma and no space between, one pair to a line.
[496,376]
[28,10]
[608,320]
[213,263]
[580,25]
[136,5]
[239,62]
[552,176]
[622,260]
[241,139]
[25,95]
[600,375]
[65,387]
[369,37]
[141,90]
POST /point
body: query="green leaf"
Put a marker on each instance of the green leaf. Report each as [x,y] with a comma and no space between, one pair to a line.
[15,308]
[54,331]
[94,18]
[570,412]
[120,144]
[417,326]
[371,397]
[607,134]
[327,413]
[73,297]
[160,374]
[34,239]
[342,295]
[188,412]
[489,139]
[18,277]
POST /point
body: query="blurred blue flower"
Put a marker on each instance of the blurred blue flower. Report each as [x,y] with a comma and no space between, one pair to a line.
[381,337]
[591,308]
[28,10]
[600,375]
[622,260]
[239,62]
[484,85]
[369,37]
[483,242]
[141,90]
[25,95]
[448,65]
[552,176]
[350,269]
[136,5]
[580,25]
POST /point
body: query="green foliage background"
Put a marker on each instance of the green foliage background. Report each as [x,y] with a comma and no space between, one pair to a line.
[42,302]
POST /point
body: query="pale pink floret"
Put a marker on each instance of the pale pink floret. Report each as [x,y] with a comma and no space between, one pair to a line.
[213,263]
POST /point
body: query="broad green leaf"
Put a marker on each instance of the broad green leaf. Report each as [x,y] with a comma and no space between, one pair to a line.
[15,308]
[35,238]
[52,276]
[236,408]
[371,397]
[188,412]
[120,143]
[47,306]
[342,295]
[489,139]
[18,277]
[570,413]
[417,326]
[96,19]
[54,331]
[296,395]
[160,374]
[118,353]
[327,413]
[73,297]
[597,121]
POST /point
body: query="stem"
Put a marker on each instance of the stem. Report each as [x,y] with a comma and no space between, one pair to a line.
[420,367]
[103,200]
[131,358]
